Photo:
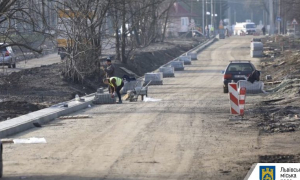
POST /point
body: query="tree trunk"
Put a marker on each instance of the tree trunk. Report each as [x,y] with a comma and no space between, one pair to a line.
[123,43]
[136,35]
[165,25]
[118,55]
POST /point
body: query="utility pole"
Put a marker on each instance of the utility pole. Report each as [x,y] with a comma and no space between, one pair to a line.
[220,10]
[279,15]
[191,7]
[271,9]
[234,17]
[215,4]
[203,15]
[229,16]
[263,19]
[206,20]
[212,13]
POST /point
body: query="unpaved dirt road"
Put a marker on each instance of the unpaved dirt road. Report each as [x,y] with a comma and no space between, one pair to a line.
[186,135]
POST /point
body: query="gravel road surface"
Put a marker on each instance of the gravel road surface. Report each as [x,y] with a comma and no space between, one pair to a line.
[186,135]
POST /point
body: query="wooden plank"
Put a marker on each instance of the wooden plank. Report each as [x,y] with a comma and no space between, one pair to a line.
[7,141]
[283,62]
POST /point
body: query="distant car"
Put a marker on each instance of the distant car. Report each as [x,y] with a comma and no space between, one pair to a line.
[235,71]
[1,162]
[7,56]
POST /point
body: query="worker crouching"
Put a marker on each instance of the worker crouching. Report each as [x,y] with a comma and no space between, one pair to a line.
[116,85]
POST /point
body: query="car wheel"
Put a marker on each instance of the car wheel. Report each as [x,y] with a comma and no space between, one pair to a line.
[9,66]
[1,162]
[225,90]
[14,65]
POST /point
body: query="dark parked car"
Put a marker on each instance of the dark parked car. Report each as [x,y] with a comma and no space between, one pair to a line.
[235,71]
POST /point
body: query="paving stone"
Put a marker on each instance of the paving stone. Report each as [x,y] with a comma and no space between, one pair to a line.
[186,59]
[256,46]
[256,53]
[103,98]
[178,65]
[100,90]
[153,82]
[193,55]
[155,78]
[167,71]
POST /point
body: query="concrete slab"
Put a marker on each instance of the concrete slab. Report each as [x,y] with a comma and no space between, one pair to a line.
[153,78]
[103,98]
[186,59]
[252,88]
[258,53]
[177,65]
[25,122]
[193,55]
[167,71]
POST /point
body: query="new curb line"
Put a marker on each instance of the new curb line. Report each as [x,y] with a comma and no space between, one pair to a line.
[25,122]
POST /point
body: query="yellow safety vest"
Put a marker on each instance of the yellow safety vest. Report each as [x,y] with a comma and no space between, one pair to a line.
[118,81]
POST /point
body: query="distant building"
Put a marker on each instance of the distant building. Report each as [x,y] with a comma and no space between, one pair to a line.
[180,18]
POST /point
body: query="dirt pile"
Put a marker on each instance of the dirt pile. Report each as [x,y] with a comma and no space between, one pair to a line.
[275,119]
[279,111]
[11,109]
[32,89]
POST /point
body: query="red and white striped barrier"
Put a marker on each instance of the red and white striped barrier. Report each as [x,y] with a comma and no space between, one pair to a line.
[234,98]
[242,99]
[237,99]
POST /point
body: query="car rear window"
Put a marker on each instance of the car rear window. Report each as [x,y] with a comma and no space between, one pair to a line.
[234,67]
[2,49]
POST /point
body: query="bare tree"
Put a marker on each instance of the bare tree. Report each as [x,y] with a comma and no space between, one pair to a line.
[82,26]
[23,25]
[139,23]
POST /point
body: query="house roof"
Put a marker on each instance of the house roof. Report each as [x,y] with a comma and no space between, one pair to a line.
[178,10]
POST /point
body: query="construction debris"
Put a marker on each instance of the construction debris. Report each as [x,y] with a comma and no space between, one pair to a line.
[268,77]
[75,117]
[32,140]
[281,63]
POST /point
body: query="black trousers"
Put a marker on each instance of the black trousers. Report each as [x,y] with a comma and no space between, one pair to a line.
[118,89]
